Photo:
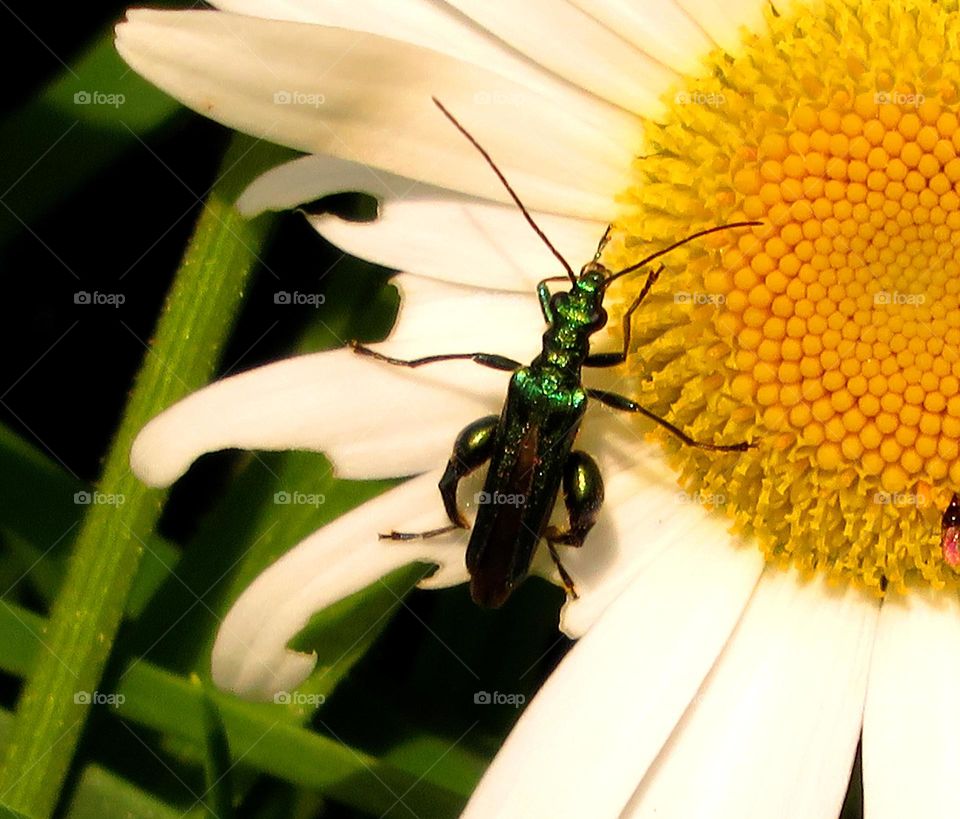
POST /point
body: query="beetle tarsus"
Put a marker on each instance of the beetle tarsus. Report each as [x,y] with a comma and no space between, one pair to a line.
[565,578]
[443,530]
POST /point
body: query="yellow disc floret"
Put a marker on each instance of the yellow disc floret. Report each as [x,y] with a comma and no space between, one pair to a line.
[829,335]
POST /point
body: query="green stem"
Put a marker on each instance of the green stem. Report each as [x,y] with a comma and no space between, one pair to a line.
[189,339]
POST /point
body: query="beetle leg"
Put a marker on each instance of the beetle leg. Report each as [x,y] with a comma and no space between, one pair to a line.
[491,360]
[621,402]
[613,359]
[582,497]
[471,450]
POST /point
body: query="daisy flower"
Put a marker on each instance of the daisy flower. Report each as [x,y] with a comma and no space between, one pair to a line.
[729,675]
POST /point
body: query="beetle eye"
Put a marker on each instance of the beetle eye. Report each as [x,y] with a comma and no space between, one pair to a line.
[557,299]
[600,320]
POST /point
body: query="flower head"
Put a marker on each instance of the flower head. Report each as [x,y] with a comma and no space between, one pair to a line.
[828,334]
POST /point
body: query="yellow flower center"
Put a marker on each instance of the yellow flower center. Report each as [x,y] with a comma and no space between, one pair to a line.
[830,336]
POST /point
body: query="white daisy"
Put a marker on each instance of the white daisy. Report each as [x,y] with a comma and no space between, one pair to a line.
[714,678]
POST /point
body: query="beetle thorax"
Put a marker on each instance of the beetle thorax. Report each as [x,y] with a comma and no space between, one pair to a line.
[577,314]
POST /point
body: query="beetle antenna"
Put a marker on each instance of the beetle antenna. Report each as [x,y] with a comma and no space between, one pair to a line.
[603,243]
[503,180]
[675,245]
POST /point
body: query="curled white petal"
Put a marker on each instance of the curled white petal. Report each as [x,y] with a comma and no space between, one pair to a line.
[775,726]
[310,177]
[250,655]
[427,230]
[465,240]
[598,722]
[911,726]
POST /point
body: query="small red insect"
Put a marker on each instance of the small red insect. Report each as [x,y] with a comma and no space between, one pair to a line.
[950,533]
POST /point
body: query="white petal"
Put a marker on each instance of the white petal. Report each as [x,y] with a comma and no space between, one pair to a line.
[650,514]
[911,726]
[310,177]
[577,47]
[722,19]
[774,729]
[465,240]
[366,98]
[435,313]
[372,419]
[250,655]
[598,722]
[438,27]
[658,27]
[426,230]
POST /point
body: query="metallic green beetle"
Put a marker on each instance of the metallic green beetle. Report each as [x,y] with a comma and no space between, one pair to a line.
[530,444]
